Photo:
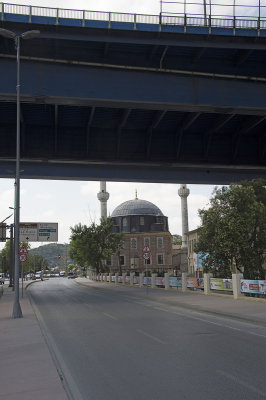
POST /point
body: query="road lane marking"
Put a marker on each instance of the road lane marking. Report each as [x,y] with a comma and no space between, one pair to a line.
[160,309]
[151,336]
[241,383]
[110,316]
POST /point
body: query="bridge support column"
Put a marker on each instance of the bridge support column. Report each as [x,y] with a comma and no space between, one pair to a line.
[237,285]
[184,281]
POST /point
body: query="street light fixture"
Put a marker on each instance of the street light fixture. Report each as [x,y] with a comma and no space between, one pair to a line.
[6,218]
[17,313]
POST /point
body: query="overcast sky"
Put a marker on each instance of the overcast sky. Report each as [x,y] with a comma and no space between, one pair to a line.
[69,203]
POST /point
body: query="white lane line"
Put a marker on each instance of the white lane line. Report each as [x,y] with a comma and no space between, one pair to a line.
[243,330]
[110,316]
[151,336]
[241,383]
[160,309]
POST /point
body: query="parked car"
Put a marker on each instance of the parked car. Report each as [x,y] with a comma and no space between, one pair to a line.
[71,275]
[2,278]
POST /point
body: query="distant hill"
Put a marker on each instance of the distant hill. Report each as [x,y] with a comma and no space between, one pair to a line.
[55,253]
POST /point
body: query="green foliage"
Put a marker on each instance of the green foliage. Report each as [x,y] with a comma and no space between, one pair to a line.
[177,239]
[91,245]
[233,231]
[50,253]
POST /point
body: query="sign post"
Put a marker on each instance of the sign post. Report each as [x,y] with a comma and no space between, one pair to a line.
[23,256]
[146,255]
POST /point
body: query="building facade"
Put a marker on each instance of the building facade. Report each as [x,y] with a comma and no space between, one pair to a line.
[143,225]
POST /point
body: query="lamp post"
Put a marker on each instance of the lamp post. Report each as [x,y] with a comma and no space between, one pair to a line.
[17,313]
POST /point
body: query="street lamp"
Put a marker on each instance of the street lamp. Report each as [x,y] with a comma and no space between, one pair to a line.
[17,313]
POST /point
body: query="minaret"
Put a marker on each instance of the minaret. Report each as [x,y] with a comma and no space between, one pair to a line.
[183,193]
[103,196]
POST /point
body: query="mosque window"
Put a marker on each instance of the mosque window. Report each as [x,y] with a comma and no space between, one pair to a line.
[141,220]
[147,241]
[147,262]
[159,242]
[124,221]
[133,243]
[160,259]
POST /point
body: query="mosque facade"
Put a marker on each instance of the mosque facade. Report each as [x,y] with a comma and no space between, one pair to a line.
[143,226]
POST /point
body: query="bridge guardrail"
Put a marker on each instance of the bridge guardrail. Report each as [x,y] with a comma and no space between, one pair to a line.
[59,16]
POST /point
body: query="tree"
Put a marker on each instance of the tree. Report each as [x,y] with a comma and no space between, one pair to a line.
[233,233]
[91,245]
[177,239]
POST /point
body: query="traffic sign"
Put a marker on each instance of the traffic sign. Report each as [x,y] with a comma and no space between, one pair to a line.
[146,255]
[38,231]
[2,232]
[47,231]
[23,257]
[23,250]
[28,232]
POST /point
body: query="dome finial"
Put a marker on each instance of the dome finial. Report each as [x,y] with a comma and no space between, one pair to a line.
[136,194]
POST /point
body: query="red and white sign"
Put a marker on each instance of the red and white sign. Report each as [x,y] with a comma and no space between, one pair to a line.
[23,250]
[23,257]
[146,253]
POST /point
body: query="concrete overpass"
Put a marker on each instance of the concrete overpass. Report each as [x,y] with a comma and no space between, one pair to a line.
[108,96]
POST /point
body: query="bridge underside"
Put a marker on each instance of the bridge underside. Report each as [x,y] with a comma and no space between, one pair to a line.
[142,115]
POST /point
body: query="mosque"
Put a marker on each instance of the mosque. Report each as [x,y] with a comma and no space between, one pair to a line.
[145,227]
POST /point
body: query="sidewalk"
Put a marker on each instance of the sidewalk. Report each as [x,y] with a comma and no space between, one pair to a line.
[27,368]
[246,309]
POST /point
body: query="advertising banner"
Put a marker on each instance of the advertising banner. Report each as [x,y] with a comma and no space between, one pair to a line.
[195,283]
[120,279]
[147,280]
[221,284]
[127,279]
[159,281]
[136,280]
[175,282]
[253,286]
[197,261]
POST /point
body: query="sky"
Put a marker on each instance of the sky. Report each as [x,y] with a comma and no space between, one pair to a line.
[69,203]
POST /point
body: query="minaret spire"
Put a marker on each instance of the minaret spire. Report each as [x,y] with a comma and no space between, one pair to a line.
[103,196]
[183,193]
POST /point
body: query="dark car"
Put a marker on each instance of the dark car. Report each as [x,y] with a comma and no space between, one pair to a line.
[71,275]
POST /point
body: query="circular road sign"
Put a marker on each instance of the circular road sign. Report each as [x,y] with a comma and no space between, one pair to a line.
[146,255]
[23,257]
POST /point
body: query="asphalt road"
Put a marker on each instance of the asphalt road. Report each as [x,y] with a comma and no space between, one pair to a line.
[110,344]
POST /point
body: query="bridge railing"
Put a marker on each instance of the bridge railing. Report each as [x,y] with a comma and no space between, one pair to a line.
[60,16]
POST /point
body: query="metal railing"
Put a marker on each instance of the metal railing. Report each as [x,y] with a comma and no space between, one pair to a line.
[199,19]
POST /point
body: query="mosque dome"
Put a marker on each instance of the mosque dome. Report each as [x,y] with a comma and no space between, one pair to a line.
[136,207]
